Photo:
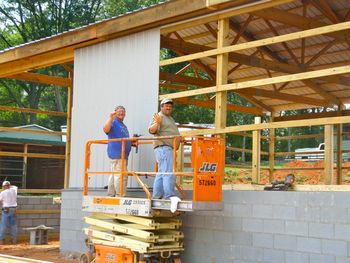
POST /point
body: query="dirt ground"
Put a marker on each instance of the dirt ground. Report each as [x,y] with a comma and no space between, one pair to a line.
[48,252]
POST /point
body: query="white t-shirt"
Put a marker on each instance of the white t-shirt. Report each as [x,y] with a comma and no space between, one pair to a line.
[9,197]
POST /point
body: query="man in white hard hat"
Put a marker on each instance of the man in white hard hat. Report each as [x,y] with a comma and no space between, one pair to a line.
[8,197]
[164,125]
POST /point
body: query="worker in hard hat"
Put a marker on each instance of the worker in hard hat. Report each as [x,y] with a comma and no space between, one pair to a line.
[115,128]
[8,197]
[164,125]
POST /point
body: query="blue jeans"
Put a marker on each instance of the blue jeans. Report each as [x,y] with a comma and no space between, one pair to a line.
[9,220]
[164,184]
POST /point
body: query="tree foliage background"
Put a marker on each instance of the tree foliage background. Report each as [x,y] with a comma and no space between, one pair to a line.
[23,21]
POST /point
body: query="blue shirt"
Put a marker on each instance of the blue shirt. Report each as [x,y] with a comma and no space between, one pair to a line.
[114,149]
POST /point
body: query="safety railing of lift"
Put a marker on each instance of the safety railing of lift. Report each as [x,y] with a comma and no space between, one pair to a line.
[136,141]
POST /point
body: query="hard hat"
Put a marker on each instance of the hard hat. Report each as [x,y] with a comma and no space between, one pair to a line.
[165,101]
[5,183]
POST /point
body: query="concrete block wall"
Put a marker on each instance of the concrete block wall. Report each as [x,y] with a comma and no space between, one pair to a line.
[262,226]
[255,226]
[27,219]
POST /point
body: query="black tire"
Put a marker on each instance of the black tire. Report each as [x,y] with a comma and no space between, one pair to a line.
[85,258]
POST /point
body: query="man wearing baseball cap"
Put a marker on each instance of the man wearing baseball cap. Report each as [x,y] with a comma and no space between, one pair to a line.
[164,125]
[8,197]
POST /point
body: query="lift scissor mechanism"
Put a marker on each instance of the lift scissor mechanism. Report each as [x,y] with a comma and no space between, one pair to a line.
[143,230]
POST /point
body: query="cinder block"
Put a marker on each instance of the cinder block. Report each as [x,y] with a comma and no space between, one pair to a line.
[214,222]
[308,214]
[321,230]
[52,222]
[252,253]
[285,242]
[227,209]
[204,235]
[274,226]
[297,228]
[334,214]
[262,240]
[197,221]
[284,212]
[190,233]
[312,245]
[242,238]
[274,256]
[241,210]
[342,259]
[40,207]
[296,257]
[281,198]
[222,237]
[341,199]
[342,232]
[232,223]
[335,247]
[231,252]
[315,258]
[32,200]
[262,211]
[53,207]
[251,197]
[38,222]
[26,207]
[252,225]
[25,223]
[320,199]
[46,200]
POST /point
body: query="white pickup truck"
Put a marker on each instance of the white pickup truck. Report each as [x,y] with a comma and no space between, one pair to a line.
[311,154]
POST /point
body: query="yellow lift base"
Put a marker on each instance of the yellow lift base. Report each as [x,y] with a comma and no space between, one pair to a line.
[132,239]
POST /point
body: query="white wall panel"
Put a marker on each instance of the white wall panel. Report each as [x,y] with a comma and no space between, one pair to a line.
[123,71]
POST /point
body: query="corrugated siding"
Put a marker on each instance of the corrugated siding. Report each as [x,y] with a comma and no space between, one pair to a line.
[123,71]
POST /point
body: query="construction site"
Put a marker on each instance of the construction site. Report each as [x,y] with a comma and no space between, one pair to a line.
[243,199]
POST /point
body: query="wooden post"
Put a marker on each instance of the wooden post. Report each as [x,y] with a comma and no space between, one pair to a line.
[328,154]
[256,153]
[221,75]
[271,151]
[25,162]
[68,137]
[339,148]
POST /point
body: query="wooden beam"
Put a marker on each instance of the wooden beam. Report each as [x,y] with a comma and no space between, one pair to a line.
[285,96]
[272,141]
[44,79]
[328,154]
[261,82]
[210,104]
[185,79]
[274,125]
[16,109]
[254,62]
[256,147]
[31,131]
[33,155]
[220,15]
[221,75]
[298,21]
[258,43]
[313,115]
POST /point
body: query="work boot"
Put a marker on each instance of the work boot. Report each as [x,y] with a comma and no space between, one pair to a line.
[1,242]
[14,242]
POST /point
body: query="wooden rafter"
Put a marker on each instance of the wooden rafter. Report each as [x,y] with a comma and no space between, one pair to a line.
[254,62]
[186,79]
[211,105]
[285,97]
[298,21]
[28,110]
[44,79]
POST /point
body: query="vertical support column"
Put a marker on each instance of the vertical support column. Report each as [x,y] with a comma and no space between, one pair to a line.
[339,148]
[221,75]
[328,154]
[256,153]
[68,136]
[271,151]
[25,161]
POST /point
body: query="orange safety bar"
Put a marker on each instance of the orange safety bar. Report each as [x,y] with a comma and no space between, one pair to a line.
[207,163]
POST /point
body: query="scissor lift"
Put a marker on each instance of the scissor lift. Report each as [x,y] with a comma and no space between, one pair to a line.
[143,230]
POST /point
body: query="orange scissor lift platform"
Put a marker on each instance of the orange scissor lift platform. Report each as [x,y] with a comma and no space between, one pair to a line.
[134,230]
